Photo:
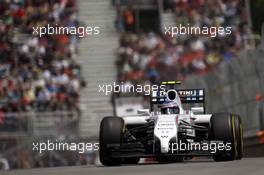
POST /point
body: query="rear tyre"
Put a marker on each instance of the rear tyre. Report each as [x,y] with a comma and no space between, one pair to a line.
[227,128]
[111,132]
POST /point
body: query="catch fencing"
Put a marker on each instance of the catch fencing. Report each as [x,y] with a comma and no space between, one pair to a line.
[236,86]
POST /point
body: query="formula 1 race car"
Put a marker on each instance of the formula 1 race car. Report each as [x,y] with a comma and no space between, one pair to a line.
[175,128]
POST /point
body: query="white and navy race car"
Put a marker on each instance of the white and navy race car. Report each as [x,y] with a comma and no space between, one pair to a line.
[175,128]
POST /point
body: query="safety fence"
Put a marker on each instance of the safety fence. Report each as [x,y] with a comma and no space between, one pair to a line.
[236,86]
[18,131]
[33,123]
[15,123]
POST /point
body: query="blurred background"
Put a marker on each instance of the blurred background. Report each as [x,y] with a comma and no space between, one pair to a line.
[49,85]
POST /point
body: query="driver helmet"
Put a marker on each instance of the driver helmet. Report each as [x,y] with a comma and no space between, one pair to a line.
[170,108]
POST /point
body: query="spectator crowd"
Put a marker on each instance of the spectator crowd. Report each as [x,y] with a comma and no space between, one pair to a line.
[38,73]
[156,57]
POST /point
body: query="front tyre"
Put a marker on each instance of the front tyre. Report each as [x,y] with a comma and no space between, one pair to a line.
[111,132]
[227,128]
[173,159]
[239,136]
[133,160]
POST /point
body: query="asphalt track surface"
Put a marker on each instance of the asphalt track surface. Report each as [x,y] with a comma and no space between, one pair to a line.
[247,166]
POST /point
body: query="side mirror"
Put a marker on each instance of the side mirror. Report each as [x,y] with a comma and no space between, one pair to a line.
[143,111]
[197,110]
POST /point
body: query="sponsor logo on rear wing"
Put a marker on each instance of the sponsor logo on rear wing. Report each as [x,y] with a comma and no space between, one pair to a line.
[191,95]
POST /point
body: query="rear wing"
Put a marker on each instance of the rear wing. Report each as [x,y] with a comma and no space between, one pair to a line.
[186,96]
[170,91]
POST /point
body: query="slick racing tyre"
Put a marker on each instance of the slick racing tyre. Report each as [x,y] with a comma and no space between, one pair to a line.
[132,160]
[239,136]
[111,132]
[227,128]
[173,159]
